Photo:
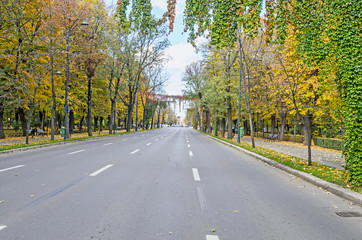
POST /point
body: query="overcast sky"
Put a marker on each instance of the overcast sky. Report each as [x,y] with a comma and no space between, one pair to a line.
[181,52]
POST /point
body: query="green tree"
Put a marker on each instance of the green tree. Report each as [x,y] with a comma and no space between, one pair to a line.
[329,33]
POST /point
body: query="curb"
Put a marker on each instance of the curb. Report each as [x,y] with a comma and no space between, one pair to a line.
[330,187]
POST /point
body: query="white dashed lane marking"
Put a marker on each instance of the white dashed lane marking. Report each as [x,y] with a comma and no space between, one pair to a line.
[190,153]
[148,144]
[7,169]
[100,170]
[107,144]
[202,198]
[76,152]
[196,174]
[212,237]
[2,227]
[134,151]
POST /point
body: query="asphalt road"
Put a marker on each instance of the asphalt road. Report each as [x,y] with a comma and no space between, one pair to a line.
[172,183]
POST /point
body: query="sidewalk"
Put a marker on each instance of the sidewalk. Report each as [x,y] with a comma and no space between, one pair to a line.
[320,155]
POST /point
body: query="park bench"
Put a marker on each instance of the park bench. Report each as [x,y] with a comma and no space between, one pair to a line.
[271,137]
[42,132]
[274,137]
[268,137]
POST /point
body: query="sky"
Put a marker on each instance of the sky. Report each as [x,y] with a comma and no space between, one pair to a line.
[181,52]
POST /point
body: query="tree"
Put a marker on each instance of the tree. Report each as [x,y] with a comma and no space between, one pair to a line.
[300,84]
[195,82]
[328,34]
[226,21]
[92,55]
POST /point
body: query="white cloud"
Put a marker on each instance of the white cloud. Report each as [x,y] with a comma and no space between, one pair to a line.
[182,55]
[160,3]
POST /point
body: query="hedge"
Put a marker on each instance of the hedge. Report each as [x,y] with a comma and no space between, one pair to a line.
[329,143]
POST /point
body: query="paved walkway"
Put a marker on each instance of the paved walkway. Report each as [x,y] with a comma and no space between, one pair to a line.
[320,155]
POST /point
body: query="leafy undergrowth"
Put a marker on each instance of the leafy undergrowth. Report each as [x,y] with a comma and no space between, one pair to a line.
[45,140]
[329,174]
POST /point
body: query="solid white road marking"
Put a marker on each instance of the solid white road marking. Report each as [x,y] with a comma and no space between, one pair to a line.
[76,152]
[100,170]
[6,169]
[107,144]
[190,153]
[196,174]
[148,144]
[188,145]
[202,198]
[2,227]
[134,151]
[212,237]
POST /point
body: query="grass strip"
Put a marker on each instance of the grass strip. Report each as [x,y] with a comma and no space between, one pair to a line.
[46,142]
[327,173]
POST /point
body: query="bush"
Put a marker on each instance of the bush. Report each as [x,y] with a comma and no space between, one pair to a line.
[16,125]
[336,144]
[290,137]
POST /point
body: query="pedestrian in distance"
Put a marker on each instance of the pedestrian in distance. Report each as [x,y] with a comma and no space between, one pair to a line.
[34,133]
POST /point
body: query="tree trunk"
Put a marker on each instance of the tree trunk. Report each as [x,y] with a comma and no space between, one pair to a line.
[41,118]
[2,132]
[114,119]
[129,117]
[308,119]
[81,123]
[58,120]
[295,129]
[100,123]
[136,128]
[144,118]
[245,123]
[28,124]
[262,126]
[23,120]
[95,123]
[272,123]
[216,126]
[89,104]
[71,121]
[229,116]
[283,118]
[110,122]
[223,123]
[251,130]
[158,117]
[208,125]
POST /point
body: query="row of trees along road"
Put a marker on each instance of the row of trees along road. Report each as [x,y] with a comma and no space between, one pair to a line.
[109,55]
[299,60]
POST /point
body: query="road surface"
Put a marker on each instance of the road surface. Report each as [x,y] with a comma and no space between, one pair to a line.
[172,183]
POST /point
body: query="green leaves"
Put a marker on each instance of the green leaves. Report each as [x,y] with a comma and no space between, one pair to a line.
[222,19]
